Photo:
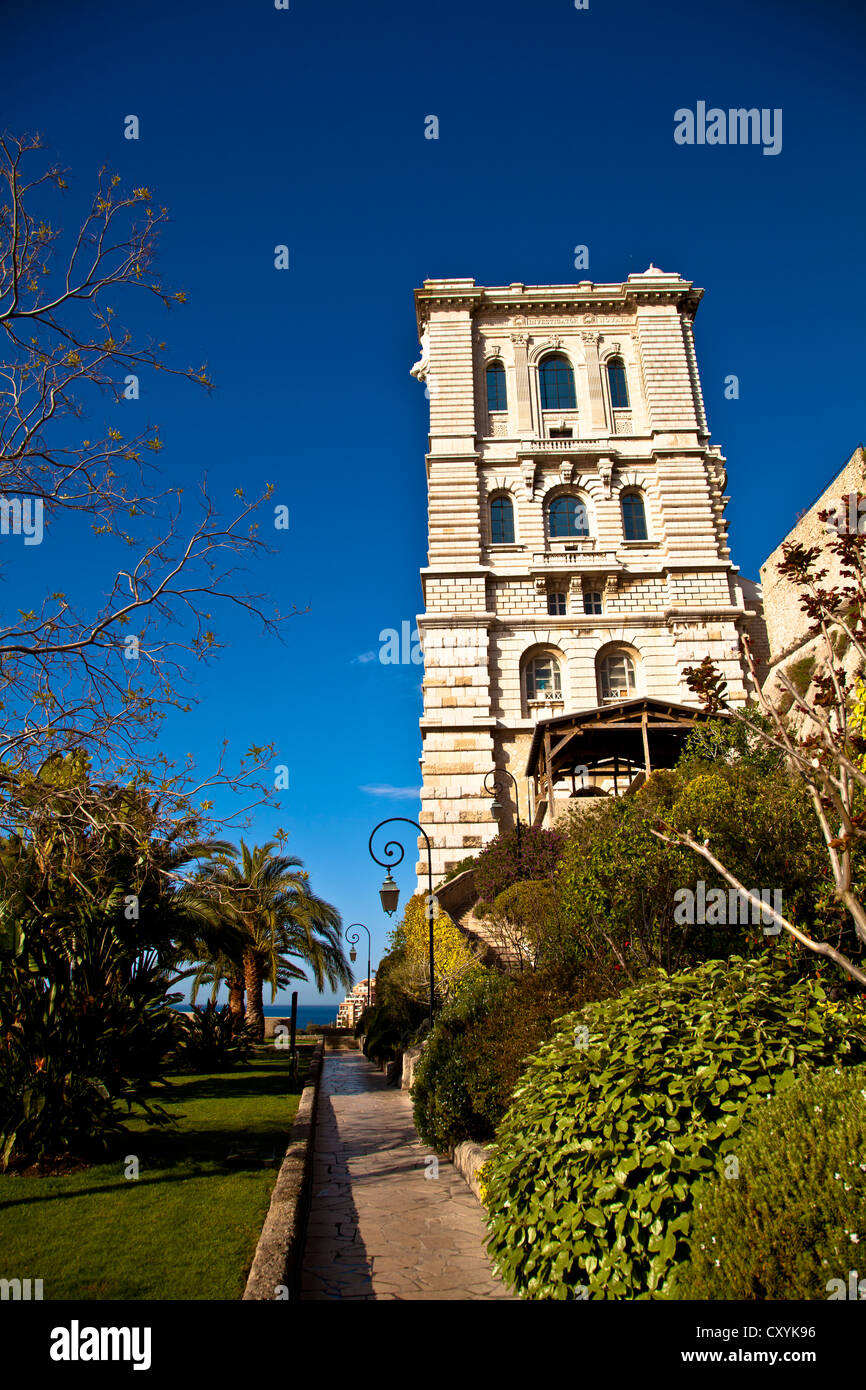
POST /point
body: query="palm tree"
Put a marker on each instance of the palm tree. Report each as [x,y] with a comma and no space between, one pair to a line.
[268,896]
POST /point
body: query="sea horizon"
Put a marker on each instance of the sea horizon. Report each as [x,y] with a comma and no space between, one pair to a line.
[307,1013]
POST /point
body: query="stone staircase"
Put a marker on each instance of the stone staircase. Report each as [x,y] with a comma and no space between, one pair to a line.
[458,897]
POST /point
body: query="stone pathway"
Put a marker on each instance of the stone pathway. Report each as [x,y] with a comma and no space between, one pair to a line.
[379,1228]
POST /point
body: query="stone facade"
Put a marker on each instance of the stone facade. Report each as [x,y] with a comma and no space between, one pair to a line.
[790,648]
[631,424]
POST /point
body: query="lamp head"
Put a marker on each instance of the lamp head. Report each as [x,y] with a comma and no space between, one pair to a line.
[390,895]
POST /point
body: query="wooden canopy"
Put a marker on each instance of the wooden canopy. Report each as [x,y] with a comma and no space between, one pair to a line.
[626,737]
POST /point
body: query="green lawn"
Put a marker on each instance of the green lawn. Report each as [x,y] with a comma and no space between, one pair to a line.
[188,1227]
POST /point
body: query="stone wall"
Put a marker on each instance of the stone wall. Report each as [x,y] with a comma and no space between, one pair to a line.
[786,623]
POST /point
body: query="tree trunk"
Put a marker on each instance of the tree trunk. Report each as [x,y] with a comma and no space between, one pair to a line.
[254,973]
[236,999]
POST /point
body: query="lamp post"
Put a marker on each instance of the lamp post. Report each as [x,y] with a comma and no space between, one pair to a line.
[390,893]
[353,954]
[497,806]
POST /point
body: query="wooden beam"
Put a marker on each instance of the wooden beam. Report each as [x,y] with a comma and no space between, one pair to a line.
[646,751]
[549,770]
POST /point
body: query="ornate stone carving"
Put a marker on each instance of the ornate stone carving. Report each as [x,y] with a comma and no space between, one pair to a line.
[605,472]
[419,370]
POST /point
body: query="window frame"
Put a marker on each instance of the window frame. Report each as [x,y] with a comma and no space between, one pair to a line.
[618,654]
[633,495]
[554,502]
[562,361]
[553,597]
[501,498]
[617,364]
[497,367]
[530,680]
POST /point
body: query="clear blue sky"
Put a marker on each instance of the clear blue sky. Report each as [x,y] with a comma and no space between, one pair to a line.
[306,127]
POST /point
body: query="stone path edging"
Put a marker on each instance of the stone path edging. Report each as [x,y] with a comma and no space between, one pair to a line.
[277,1261]
[469,1158]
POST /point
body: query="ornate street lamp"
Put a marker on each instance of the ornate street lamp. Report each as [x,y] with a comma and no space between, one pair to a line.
[496,805]
[353,954]
[390,893]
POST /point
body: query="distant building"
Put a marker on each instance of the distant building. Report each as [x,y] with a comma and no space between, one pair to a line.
[792,650]
[578,547]
[355,1003]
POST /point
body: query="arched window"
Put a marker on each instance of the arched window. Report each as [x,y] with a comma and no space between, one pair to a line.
[543,679]
[557,383]
[616,677]
[497,398]
[617,384]
[566,517]
[501,521]
[633,517]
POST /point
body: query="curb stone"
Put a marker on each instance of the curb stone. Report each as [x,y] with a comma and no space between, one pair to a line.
[469,1158]
[277,1261]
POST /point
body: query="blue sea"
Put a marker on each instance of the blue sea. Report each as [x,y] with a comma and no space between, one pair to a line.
[322,1014]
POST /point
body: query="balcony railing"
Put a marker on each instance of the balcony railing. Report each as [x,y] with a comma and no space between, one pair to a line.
[580,555]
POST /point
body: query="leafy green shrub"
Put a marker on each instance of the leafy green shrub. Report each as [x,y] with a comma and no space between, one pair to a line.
[497,1045]
[499,865]
[474,1057]
[393,1021]
[208,1039]
[523,920]
[590,1181]
[619,886]
[444,1111]
[782,1228]
[81,1042]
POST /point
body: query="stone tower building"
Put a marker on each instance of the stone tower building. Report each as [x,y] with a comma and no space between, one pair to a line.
[578,548]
